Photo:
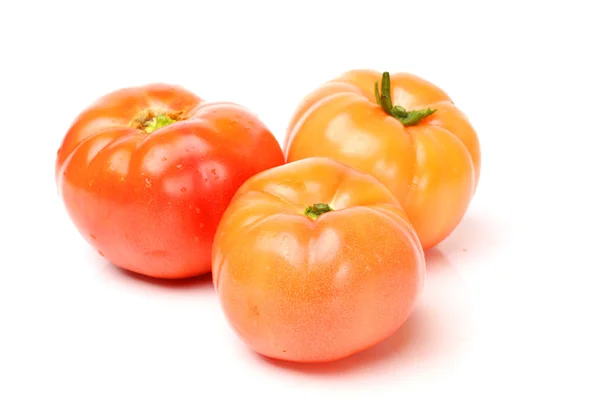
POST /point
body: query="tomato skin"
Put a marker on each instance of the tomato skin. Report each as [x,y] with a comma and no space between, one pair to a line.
[316,291]
[432,167]
[150,202]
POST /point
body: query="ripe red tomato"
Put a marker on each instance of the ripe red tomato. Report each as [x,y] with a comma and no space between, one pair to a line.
[146,173]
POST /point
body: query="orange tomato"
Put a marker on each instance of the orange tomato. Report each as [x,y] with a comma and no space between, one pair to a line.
[408,133]
[314,261]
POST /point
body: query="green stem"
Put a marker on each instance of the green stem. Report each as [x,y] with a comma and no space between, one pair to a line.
[384,99]
[157,122]
[317,209]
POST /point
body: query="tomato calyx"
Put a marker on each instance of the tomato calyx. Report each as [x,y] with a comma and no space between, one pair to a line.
[151,120]
[384,99]
[317,209]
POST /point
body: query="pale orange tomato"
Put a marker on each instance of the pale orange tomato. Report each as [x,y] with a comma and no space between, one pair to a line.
[314,261]
[412,137]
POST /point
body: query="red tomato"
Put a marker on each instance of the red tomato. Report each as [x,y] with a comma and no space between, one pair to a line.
[146,173]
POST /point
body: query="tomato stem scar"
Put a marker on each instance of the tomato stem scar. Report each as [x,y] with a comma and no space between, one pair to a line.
[384,99]
[157,122]
[317,209]
[150,120]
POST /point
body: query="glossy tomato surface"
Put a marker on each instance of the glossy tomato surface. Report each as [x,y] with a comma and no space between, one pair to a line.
[314,261]
[146,172]
[431,164]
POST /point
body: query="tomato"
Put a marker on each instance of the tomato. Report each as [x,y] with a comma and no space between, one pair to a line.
[314,261]
[146,172]
[405,131]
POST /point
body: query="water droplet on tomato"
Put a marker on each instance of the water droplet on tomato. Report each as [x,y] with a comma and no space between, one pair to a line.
[122,178]
[148,183]
[196,238]
[198,210]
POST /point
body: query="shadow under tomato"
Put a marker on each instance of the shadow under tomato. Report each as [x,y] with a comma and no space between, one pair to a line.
[436,260]
[116,273]
[474,236]
[414,343]
[204,280]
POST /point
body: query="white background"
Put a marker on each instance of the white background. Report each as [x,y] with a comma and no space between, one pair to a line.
[511,303]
